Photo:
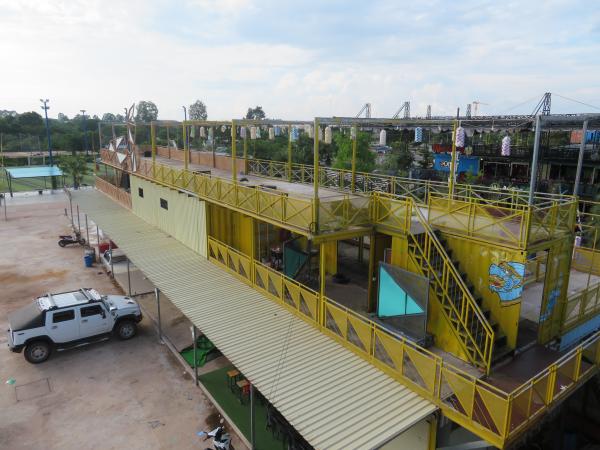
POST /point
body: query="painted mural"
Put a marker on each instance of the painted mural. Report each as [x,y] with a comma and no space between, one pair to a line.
[506,280]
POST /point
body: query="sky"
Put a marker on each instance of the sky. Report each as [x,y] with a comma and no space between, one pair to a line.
[299,60]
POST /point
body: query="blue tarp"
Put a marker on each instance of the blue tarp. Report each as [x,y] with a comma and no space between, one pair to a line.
[34,171]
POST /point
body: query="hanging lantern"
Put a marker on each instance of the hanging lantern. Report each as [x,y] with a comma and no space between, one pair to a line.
[308,130]
[295,133]
[223,129]
[277,130]
[418,134]
[211,134]
[271,134]
[257,132]
[320,133]
[353,133]
[460,137]
[192,132]
[202,132]
[505,146]
[243,132]
[382,137]
[328,135]
[252,133]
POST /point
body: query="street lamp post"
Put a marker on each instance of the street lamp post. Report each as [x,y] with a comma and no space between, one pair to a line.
[85,143]
[187,135]
[45,107]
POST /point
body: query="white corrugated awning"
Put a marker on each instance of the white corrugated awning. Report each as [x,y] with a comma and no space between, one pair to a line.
[335,399]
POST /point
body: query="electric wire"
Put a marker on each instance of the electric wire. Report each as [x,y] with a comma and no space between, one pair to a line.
[576,101]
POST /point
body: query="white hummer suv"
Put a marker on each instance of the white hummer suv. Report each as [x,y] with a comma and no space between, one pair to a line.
[70,319]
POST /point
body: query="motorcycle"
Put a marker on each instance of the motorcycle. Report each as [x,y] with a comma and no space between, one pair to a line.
[67,239]
[221,440]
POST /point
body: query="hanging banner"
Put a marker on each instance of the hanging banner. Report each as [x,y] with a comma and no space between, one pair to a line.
[442,161]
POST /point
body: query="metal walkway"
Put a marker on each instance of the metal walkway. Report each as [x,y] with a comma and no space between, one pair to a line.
[332,397]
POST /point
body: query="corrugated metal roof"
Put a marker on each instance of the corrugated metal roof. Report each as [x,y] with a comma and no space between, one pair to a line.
[331,396]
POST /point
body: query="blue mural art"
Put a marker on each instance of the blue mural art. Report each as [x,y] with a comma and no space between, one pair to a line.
[506,280]
[552,299]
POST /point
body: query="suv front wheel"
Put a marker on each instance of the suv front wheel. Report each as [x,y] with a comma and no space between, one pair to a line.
[126,329]
[37,352]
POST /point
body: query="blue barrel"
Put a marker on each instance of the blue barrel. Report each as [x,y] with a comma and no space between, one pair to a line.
[88,259]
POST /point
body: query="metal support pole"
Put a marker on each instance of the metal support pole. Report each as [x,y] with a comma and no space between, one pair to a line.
[322,263]
[354,151]
[195,338]
[87,230]
[78,219]
[580,160]
[157,295]
[290,153]
[452,178]
[153,143]
[112,266]
[252,419]
[128,278]
[246,153]
[233,152]
[534,163]
[186,149]
[316,177]
[71,207]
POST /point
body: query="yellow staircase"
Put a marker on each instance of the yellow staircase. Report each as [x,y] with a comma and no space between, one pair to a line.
[468,321]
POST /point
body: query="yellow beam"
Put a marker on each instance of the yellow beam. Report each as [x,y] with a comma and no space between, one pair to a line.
[153,143]
[246,152]
[322,267]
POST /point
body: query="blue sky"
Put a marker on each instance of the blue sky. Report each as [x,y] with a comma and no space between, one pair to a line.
[299,59]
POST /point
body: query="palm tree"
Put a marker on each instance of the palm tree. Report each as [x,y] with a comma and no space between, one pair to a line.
[74,166]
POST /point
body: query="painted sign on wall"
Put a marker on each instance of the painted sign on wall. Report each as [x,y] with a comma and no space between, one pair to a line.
[506,280]
[442,162]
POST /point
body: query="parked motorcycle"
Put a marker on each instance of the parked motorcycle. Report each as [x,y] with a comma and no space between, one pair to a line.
[221,440]
[67,239]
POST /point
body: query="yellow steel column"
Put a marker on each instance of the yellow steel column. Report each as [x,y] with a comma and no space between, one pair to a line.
[433,423]
[316,177]
[370,301]
[322,264]
[233,152]
[153,143]
[354,149]
[452,179]
[246,153]
[186,150]
[290,153]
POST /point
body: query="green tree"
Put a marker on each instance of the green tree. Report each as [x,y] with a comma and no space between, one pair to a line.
[147,111]
[365,159]
[255,113]
[75,166]
[399,160]
[108,117]
[426,157]
[198,111]
[63,117]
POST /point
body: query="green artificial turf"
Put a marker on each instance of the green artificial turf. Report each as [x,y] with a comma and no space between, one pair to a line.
[216,383]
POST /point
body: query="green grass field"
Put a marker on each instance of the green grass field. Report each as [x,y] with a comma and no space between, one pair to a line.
[34,184]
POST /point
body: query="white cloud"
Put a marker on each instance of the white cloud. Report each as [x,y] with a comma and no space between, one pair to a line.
[103,55]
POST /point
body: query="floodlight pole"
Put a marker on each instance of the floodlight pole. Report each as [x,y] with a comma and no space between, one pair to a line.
[85,142]
[534,162]
[45,107]
[580,159]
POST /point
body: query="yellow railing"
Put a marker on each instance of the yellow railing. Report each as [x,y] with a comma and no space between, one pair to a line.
[121,196]
[581,307]
[535,268]
[481,212]
[586,260]
[494,415]
[263,203]
[471,328]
